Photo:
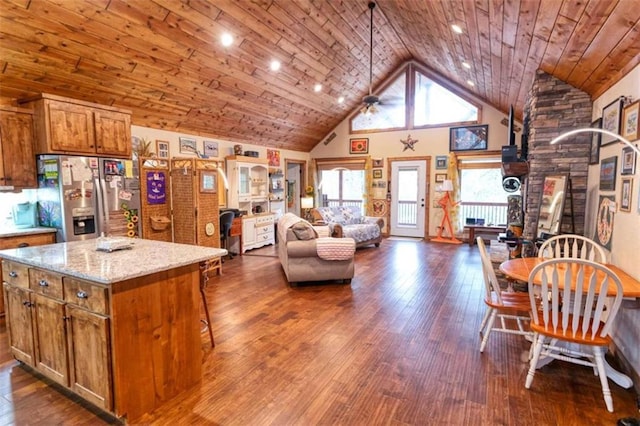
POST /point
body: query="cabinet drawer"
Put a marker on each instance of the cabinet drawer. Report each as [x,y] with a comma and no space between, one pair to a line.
[15,274]
[89,296]
[265,229]
[264,220]
[27,240]
[46,283]
[264,237]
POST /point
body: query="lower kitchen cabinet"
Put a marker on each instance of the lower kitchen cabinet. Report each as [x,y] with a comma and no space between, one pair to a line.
[51,332]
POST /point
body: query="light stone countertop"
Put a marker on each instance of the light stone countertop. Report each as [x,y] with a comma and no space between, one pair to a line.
[80,259]
[12,231]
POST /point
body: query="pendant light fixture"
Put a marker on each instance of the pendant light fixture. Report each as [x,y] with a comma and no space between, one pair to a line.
[370,100]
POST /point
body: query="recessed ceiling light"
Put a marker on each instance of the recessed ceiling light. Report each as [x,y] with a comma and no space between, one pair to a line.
[470,83]
[341,99]
[317,87]
[456,28]
[466,65]
[226,39]
[275,65]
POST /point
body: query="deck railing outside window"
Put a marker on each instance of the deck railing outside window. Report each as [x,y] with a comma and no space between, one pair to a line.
[492,213]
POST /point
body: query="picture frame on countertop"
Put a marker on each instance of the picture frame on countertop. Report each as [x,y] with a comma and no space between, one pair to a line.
[210,149]
[162,149]
[594,155]
[628,163]
[441,162]
[469,138]
[611,119]
[625,194]
[188,146]
[608,174]
[630,121]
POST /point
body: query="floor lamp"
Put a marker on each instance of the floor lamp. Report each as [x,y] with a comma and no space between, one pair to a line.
[445,202]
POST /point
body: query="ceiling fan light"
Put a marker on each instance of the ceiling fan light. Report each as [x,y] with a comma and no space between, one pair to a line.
[370,99]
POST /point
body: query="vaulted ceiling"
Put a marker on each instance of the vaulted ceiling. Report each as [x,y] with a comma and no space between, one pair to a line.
[163,59]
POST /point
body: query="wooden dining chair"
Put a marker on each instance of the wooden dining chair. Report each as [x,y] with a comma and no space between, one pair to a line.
[572,246]
[573,322]
[509,306]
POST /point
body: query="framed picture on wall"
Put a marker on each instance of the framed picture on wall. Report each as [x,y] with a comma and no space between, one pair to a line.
[630,121]
[608,174]
[468,138]
[441,162]
[377,173]
[210,148]
[594,156]
[611,118]
[162,149]
[359,146]
[188,146]
[628,165]
[441,177]
[625,194]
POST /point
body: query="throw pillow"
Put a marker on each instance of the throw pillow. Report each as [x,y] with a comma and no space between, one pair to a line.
[304,231]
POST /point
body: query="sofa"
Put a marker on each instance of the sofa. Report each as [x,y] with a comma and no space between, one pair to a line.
[308,253]
[348,221]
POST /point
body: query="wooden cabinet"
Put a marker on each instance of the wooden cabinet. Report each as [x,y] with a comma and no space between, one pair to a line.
[276,192]
[58,326]
[24,241]
[248,184]
[17,159]
[69,126]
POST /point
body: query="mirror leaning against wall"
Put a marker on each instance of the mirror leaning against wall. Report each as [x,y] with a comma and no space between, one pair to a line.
[552,199]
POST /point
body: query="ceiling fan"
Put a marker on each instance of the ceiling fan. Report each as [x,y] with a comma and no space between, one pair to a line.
[371,100]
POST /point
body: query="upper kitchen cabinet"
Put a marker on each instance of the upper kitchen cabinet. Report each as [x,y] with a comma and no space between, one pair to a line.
[17,160]
[69,126]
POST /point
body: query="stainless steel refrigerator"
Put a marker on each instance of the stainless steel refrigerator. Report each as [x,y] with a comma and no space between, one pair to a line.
[84,197]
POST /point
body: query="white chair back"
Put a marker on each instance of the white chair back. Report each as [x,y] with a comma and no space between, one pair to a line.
[572,246]
[584,309]
[488,273]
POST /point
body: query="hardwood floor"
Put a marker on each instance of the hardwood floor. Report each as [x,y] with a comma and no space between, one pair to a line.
[399,346]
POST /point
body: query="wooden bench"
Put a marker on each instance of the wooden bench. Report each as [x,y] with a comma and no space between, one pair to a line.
[483,230]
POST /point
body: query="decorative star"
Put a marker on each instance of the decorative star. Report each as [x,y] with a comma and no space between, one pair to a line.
[409,143]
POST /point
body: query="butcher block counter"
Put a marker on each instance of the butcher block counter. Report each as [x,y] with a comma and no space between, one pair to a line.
[120,329]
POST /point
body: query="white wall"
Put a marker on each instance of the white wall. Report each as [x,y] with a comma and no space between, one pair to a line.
[625,243]
[431,142]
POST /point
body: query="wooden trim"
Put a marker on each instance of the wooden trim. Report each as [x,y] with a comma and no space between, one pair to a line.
[427,194]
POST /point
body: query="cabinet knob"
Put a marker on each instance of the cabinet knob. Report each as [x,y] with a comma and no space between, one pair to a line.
[13,274]
[23,245]
[43,283]
[27,304]
[82,295]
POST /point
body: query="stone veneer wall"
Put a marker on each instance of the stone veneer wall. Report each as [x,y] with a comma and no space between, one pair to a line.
[555,107]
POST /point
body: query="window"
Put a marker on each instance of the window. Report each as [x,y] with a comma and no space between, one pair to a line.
[481,192]
[433,105]
[342,182]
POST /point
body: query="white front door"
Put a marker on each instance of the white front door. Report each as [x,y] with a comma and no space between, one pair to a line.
[408,198]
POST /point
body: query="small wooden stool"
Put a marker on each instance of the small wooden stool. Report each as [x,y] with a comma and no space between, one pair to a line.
[206,268]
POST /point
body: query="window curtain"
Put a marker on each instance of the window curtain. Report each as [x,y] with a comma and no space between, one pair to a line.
[368,182]
[311,182]
[453,174]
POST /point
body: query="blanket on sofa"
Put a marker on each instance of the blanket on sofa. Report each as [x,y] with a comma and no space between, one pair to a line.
[335,248]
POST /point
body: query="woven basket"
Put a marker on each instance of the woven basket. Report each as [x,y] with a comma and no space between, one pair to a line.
[160,223]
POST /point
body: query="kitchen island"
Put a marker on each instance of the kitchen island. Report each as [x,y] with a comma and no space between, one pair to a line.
[120,329]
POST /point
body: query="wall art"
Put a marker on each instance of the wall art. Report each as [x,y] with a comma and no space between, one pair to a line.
[441,162]
[469,138]
[359,146]
[594,156]
[625,194]
[630,121]
[604,220]
[162,149]
[188,146]
[628,164]
[608,174]
[210,149]
[611,117]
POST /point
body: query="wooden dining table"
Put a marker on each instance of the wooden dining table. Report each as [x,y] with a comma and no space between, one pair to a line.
[520,268]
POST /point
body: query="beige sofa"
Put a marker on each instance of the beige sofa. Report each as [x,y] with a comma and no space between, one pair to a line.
[348,221]
[300,247]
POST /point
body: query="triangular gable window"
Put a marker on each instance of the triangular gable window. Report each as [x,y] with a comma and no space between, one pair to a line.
[434,105]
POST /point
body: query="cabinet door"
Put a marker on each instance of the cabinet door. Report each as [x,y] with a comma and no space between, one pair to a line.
[90,356]
[248,233]
[50,339]
[70,128]
[19,324]
[244,183]
[113,133]
[17,165]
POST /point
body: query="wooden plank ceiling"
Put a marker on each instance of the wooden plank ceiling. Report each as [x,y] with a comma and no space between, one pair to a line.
[163,60]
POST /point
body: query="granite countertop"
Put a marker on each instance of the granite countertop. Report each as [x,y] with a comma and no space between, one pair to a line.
[80,259]
[11,231]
